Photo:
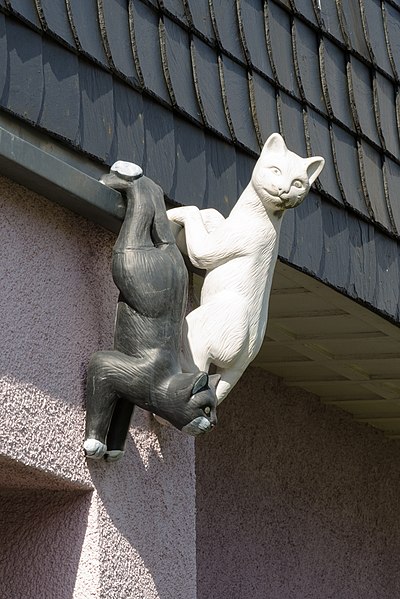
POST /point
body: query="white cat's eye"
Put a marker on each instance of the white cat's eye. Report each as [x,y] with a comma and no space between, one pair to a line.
[207,410]
[297,183]
[275,170]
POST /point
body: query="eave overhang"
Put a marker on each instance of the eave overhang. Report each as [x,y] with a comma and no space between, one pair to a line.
[317,338]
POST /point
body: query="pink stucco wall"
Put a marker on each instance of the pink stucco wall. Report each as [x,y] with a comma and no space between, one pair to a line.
[295,500]
[124,530]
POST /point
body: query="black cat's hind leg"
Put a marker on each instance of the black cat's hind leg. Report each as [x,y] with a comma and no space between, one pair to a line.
[101,397]
[118,430]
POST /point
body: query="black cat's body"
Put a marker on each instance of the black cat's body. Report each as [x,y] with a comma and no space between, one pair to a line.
[143,368]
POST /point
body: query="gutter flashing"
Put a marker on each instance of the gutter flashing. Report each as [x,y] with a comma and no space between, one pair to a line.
[59,182]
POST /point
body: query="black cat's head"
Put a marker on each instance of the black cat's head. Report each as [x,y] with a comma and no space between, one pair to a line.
[191,403]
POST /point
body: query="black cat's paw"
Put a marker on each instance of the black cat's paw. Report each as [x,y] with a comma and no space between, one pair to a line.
[114,455]
[94,449]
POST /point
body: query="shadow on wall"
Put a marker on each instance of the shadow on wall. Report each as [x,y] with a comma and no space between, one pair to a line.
[42,529]
[147,514]
[295,500]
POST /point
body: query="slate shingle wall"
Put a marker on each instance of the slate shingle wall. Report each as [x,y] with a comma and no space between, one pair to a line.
[190,89]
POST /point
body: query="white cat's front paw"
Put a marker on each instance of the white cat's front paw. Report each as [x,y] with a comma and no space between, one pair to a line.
[178,215]
[94,449]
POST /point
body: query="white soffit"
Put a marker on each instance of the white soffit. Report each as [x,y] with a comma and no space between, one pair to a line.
[333,347]
[329,345]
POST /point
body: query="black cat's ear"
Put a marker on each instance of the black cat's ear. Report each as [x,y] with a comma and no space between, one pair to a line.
[213,380]
[200,383]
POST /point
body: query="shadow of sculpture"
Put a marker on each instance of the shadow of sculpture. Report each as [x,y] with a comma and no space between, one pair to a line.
[147,526]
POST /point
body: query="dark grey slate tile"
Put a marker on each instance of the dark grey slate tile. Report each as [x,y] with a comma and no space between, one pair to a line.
[392,176]
[392,18]
[114,21]
[385,92]
[308,241]
[176,7]
[376,33]
[345,148]
[292,124]
[244,168]
[362,259]
[335,263]
[334,70]
[374,180]
[281,40]
[190,180]
[306,8]
[61,102]
[287,238]
[352,22]
[97,110]
[308,61]
[85,21]
[57,20]
[227,26]
[24,85]
[253,27]
[221,192]
[330,18]
[361,77]
[3,60]
[129,136]
[27,9]
[265,106]
[237,97]
[200,13]
[160,155]
[320,140]
[146,26]
[179,65]
[387,286]
[209,86]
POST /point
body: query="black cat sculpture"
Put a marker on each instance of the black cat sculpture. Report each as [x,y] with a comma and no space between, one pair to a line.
[143,368]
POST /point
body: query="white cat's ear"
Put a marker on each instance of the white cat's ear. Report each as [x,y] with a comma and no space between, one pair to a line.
[275,144]
[315,164]
[213,380]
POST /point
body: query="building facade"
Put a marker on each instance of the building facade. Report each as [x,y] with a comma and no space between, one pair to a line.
[289,496]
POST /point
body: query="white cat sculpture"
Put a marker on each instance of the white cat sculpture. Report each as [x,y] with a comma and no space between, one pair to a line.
[239,255]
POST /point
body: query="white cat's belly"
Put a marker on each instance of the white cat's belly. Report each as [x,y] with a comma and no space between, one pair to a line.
[218,332]
[229,326]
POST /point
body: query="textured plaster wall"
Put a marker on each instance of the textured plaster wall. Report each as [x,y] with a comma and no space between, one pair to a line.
[295,500]
[68,530]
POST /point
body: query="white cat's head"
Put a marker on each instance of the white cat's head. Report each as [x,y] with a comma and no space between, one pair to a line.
[281,178]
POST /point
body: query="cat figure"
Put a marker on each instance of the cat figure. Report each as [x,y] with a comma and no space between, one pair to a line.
[239,255]
[143,369]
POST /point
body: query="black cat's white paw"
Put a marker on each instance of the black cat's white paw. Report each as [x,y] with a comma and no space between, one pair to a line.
[126,170]
[94,449]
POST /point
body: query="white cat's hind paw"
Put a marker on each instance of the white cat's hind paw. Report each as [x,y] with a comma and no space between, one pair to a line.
[94,449]
[114,455]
